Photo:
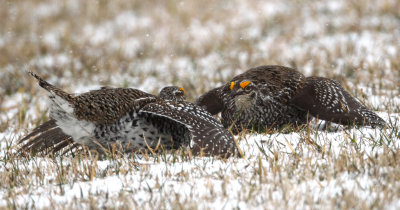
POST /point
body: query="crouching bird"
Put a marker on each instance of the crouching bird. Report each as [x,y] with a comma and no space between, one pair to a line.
[273,96]
[127,120]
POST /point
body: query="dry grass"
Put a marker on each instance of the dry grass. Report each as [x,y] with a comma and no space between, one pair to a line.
[80,45]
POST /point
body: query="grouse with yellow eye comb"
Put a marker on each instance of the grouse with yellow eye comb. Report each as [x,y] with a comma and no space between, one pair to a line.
[127,120]
[273,96]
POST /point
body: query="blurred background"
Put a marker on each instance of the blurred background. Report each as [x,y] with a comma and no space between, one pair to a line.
[81,45]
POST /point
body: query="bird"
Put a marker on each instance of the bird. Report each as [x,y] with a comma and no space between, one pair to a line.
[127,120]
[49,136]
[272,96]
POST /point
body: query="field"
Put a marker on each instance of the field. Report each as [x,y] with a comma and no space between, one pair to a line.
[83,45]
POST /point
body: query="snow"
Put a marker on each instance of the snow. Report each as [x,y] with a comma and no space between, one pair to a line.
[199,183]
[284,170]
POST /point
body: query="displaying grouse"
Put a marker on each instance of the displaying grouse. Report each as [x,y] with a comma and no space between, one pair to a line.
[127,120]
[273,96]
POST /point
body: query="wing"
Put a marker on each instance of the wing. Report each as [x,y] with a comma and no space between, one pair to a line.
[326,99]
[45,138]
[208,136]
[212,101]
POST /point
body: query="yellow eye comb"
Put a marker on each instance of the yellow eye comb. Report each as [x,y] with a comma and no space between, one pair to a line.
[181,89]
[232,85]
[244,84]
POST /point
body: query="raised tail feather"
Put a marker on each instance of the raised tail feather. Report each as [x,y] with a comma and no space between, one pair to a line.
[51,88]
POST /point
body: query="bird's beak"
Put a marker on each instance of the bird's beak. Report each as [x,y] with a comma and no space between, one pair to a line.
[236,93]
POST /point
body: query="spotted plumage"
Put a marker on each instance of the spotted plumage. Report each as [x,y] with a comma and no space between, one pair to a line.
[273,96]
[127,120]
[172,93]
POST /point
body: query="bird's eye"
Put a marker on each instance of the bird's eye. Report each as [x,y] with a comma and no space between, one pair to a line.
[245,84]
[232,85]
[183,90]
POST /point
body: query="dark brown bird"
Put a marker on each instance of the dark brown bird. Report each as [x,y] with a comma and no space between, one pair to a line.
[273,96]
[128,120]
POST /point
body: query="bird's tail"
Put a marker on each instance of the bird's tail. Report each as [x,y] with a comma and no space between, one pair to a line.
[51,88]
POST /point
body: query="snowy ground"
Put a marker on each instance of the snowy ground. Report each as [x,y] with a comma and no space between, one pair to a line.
[82,45]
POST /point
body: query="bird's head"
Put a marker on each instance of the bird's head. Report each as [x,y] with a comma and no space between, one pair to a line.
[173,93]
[244,93]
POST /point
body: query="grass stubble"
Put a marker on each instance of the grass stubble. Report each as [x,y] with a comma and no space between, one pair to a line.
[78,44]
